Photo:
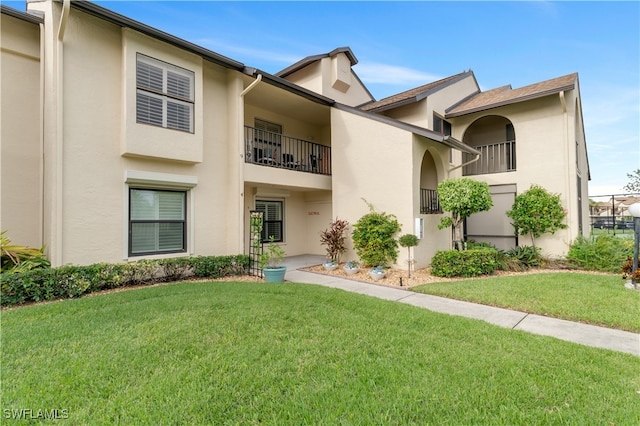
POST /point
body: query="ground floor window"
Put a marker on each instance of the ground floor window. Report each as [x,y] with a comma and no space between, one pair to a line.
[273,214]
[157,221]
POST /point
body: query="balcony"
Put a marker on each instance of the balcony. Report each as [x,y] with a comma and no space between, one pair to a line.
[494,158]
[429,202]
[276,150]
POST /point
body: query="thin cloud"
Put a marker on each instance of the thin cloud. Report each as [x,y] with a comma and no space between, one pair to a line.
[249,56]
[377,73]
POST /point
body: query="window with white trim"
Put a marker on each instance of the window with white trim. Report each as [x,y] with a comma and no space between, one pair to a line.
[157,221]
[164,94]
[273,223]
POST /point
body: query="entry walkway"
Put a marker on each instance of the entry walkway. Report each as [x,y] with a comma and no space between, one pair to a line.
[589,335]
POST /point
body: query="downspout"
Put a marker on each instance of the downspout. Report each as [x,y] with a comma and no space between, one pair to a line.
[465,164]
[42,132]
[251,86]
[563,104]
[59,130]
[242,155]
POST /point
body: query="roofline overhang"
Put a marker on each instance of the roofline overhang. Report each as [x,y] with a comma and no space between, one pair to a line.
[304,62]
[509,101]
[422,95]
[18,14]
[288,86]
[122,21]
[449,141]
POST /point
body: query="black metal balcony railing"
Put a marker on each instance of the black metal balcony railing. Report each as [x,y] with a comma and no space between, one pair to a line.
[429,201]
[494,158]
[277,150]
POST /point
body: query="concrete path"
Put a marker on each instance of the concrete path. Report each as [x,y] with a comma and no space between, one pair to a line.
[589,335]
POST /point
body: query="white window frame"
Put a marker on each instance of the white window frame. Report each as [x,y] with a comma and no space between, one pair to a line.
[166,94]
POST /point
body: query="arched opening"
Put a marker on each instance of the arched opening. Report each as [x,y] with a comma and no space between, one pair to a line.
[429,203]
[494,136]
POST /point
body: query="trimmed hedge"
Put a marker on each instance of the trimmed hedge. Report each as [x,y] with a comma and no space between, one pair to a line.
[73,281]
[466,263]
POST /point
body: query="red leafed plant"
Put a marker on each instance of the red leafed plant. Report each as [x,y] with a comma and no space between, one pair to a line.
[334,239]
[627,271]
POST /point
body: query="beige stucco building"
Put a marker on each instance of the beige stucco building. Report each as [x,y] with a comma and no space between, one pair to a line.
[121,142]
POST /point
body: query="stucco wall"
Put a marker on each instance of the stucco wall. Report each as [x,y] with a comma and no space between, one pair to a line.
[21,149]
[545,152]
[95,194]
[376,162]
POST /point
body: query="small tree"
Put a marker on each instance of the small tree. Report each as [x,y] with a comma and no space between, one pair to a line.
[408,241]
[373,238]
[634,181]
[462,197]
[334,239]
[536,212]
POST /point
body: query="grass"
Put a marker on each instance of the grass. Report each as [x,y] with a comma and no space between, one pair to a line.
[620,233]
[249,353]
[589,298]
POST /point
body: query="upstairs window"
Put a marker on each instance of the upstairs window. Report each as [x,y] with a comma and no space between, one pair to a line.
[164,94]
[441,126]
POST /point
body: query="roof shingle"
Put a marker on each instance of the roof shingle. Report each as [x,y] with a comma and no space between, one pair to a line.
[505,95]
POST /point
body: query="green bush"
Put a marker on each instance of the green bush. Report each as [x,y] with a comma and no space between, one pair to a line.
[467,263]
[73,281]
[373,238]
[526,256]
[605,253]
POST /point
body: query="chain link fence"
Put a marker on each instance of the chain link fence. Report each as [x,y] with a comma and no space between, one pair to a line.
[610,214]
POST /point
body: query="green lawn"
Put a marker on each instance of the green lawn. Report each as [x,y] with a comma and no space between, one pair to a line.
[620,233]
[250,353]
[591,298]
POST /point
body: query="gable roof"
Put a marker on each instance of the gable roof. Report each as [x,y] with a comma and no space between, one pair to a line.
[505,95]
[414,95]
[449,141]
[315,58]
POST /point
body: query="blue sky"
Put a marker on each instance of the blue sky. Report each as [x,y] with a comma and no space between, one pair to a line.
[401,45]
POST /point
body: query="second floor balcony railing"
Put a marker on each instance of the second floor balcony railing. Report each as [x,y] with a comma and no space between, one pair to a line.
[494,158]
[276,150]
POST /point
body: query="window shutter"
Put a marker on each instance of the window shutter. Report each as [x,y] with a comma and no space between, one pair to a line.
[179,115]
[178,85]
[148,109]
[148,76]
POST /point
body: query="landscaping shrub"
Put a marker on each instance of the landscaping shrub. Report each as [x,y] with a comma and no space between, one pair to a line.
[606,253]
[536,212]
[334,239]
[16,258]
[526,256]
[70,281]
[373,238]
[467,263]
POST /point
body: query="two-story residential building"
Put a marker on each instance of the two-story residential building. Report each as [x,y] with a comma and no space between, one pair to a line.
[122,142]
[532,135]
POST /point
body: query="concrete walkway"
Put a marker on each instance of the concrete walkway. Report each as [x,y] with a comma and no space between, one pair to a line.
[589,335]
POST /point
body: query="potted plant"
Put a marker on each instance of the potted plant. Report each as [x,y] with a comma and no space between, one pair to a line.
[271,262]
[351,267]
[330,264]
[377,273]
